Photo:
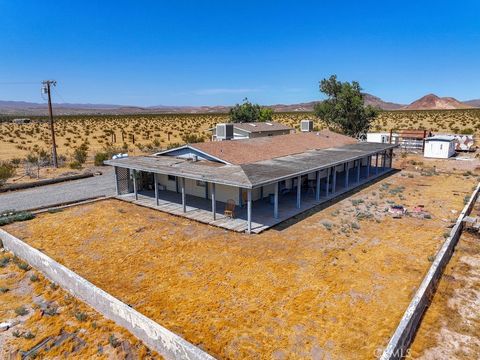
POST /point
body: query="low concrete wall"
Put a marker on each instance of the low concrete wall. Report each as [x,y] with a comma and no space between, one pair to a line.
[401,340]
[158,338]
[22,186]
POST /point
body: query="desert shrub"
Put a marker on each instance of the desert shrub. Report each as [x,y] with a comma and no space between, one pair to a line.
[34,278]
[75,165]
[192,138]
[81,316]
[100,157]
[80,154]
[113,341]
[7,170]
[327,224]
[10,216]
[21,310]
[4,261]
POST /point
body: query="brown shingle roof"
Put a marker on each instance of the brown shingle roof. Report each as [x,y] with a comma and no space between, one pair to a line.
[251,150]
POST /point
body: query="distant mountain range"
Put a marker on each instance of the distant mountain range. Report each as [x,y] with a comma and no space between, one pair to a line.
[427,102]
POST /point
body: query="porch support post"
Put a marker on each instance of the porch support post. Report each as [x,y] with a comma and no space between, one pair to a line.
[391,158]
[249,211]
[384,157]
[299,191]
[116,181]
[317,187]
[155,181]
[347,173]
[214,202]
[135,184]
[369,162]
[328,182]
[376,164]
[358,169]
[184,197]
[334,180]
[275,201]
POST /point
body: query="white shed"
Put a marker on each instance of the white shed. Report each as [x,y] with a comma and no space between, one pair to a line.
[439,146]
[382,137]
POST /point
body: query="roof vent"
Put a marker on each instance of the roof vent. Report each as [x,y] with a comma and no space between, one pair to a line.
[224,131]
[306,125]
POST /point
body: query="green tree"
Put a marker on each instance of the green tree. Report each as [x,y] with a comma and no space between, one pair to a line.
[248,112]
[344,109]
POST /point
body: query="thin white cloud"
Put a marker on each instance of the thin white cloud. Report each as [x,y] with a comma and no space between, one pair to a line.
[217,91]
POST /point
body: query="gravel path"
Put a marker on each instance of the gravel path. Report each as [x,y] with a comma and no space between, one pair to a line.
[62,192]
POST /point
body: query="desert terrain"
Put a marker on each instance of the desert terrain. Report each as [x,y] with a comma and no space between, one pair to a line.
[333,282]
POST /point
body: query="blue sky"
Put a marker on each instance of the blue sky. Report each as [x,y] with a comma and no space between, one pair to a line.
[218,52]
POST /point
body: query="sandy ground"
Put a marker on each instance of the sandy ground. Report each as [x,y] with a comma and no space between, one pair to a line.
[333,283]
[61,325]
[450,328]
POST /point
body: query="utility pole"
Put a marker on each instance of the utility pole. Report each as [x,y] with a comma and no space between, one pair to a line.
[46,89]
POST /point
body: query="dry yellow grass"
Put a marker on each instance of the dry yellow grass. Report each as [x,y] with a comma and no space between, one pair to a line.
[451,326]
[304,291]
[85,338]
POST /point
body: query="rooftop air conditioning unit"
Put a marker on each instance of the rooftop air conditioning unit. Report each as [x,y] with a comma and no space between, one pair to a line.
[306,125]
[224,131]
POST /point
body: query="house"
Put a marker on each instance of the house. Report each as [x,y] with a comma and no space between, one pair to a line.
[440,146]
[236,131]
[266,179]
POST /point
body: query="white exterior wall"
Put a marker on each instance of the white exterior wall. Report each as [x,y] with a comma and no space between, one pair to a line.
[192,188]
[439,149]
[163,180]
[224,193]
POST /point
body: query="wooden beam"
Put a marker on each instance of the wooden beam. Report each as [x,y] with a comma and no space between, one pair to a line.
[249,211]
[358,169]
[347,173]
[369,162]
[214,202]
[117,189]
[135,184]
[299,191]
[184,196]
[334,180]
[155,180]
[275,202]
[328,182]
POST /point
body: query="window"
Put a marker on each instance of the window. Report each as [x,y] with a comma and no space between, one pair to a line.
[201,183]
[171,178]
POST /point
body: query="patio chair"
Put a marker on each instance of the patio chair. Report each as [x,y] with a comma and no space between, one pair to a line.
[229,208]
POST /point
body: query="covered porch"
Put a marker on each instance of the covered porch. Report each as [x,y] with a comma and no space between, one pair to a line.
[255,216]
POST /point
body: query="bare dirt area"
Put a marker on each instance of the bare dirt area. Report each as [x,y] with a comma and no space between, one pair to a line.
[40,320]
[450,328]
[333,283]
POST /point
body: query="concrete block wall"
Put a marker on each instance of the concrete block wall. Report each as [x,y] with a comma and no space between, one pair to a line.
[155,336]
